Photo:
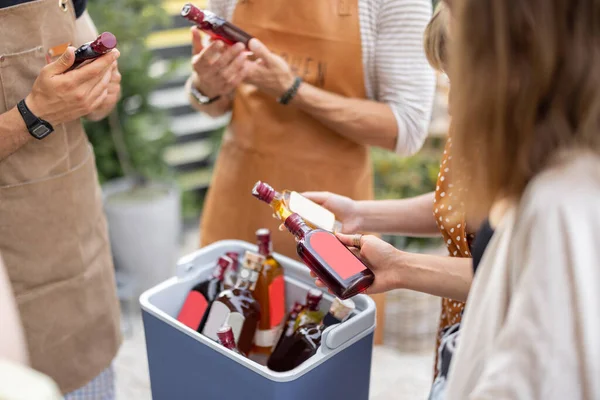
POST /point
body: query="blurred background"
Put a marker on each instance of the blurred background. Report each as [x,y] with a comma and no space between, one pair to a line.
[155,155]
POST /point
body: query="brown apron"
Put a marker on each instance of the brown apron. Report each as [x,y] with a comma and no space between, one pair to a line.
[282,145]
[53,234]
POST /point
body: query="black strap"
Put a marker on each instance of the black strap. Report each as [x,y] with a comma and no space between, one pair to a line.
[29,117]
[291,92]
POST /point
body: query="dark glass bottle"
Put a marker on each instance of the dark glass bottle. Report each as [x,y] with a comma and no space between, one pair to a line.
[334,264]
[225,335]
[281,348]
[198,302]
[311,312]
[86,53]
[237,307]
[307,339]
[270,293]
[216,27]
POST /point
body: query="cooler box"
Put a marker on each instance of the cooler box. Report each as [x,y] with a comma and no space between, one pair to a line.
[186,365]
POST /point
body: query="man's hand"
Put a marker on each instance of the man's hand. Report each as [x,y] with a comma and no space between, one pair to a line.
[60,97]
[271,74]
[112,97]
[218,69]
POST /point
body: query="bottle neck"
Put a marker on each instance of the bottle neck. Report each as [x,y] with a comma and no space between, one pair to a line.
[296,225]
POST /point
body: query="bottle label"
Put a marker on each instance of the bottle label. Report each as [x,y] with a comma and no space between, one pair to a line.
[193,310]
[277,301]
[336,255]
[267,337]
[311,212]
[217,316]
[236,321]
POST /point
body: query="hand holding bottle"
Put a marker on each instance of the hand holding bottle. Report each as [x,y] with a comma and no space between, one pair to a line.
[344,208]
[218,69]
[271,74]
[381,257]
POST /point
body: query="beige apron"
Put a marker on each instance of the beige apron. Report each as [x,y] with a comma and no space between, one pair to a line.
[282,145]
[53,235]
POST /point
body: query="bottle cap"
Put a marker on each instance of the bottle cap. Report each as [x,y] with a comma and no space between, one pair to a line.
[235,257]
[297,308]
[340,309]
[264,192]
[263,237]
[294,223]
[313,298]
[223,263]
[104,43]
[225,335]
[192,13]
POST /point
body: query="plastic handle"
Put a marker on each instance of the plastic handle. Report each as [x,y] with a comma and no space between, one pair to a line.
[189,264]
[337,335]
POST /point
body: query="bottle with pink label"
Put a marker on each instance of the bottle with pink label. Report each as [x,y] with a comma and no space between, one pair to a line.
[270,294]
[237,307]
[199,300]
[334,264]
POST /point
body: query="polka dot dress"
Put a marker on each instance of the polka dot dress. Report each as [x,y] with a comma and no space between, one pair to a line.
[450,218]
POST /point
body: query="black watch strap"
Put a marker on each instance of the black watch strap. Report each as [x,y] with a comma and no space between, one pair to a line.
[291,92]
[37,127]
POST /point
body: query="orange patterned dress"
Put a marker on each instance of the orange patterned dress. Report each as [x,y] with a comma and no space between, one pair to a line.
[450,218]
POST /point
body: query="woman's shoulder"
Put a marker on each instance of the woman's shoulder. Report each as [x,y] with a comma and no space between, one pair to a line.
[571,186]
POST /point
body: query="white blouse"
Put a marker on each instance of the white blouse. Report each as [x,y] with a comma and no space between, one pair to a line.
[531,328]
[396,70]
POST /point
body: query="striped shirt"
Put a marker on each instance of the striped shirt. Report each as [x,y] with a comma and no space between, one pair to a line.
[396,70]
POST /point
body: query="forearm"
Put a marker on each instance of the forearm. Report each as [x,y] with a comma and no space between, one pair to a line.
[408,217]
[443,276]
[13,133]
[362,121]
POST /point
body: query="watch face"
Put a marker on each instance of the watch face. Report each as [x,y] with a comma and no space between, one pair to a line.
[41,131]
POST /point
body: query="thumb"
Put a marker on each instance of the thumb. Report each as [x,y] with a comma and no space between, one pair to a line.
[65,62]
[197,45]
[260,51]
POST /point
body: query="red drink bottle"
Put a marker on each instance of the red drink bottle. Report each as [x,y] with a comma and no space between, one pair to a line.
[92,50]
[231,274]
[307,339]
[333,263]
[200,299]
[311,312]
[216,27]
[226,339]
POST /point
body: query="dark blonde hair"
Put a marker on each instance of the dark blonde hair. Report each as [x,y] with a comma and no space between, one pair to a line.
[436,38]
[526,87]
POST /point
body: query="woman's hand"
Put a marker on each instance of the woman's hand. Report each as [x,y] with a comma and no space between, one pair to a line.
[381,257]
[271,74]
[345,209]
[218,69]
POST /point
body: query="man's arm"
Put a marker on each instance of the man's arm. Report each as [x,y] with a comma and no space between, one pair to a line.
[13,132]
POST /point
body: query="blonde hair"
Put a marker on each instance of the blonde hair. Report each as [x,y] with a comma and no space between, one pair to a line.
[436,38]
[526,88]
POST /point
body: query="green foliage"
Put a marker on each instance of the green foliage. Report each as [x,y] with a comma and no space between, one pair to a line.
[398,178]
[144,128]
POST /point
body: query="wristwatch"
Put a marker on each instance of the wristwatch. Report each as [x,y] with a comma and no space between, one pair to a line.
[37,127]
[199,97]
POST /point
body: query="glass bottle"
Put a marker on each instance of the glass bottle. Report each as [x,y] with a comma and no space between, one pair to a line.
[237,307]
[199,300]
[334,264]
[307,339]
[311,312]
[216,27]
[231,273]
[280,349]
[270,293]
[288,202]
[226,339]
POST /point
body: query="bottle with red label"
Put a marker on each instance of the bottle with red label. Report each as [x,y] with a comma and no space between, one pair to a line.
[270,293]
[200,299]
[306,340]
[334,264]
[311,312]
[231,273]
[237,307]
[226,339]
